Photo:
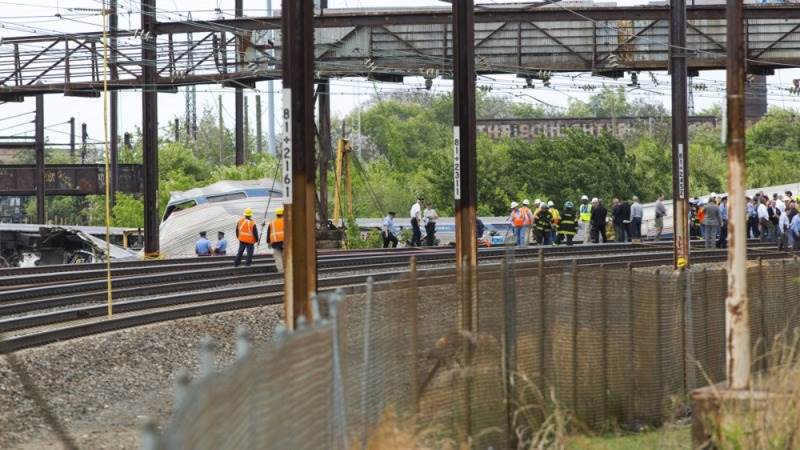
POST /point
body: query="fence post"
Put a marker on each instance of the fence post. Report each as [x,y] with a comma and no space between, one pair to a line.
[207,353]
[150,439]
[510,340]
[412,312]
[633,378]
[543,321]
[574,334]
[763,304]
[242,342]
[689,356]
[604,338]
[365,364]
[338,411]
[659,343]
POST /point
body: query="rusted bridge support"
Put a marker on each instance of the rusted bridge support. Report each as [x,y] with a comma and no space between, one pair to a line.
[113,119]
[41,215]
[737,320]
[297,155]
[239,103]
[150,128]
[324,99]
[680,140]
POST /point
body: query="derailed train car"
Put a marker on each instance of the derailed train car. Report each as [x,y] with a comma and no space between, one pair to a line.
[215,208]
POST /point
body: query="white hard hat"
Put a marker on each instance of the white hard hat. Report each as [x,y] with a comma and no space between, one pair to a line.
[550,203]
[595,200]
[584,197]
[537,202]
[713,195]
[514,205]
[526,202]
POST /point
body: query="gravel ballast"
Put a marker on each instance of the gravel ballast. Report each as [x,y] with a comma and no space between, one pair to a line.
[101,387]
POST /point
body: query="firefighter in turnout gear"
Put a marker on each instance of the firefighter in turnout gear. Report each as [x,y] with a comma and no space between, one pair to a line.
[247,233]
[543,225]
[275,239]
[568,225]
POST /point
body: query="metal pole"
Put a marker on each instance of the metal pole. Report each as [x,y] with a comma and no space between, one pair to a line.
[176,130]
[221,131]
[737,320]
[270,101]
[464,153]
[150,128]
[72,140]
[84,142]
[259,138]
[239,107]
[41,215]
[680,140]
[113,110]
[246,127]
[300,277]
[323,94]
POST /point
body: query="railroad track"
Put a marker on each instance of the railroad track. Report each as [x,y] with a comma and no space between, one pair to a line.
[40,328]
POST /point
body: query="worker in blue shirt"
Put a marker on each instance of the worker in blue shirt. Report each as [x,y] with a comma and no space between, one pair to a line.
[222,245]
[203,245]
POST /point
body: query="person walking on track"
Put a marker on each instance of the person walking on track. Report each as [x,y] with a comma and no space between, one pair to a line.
[275,239]
[247,233]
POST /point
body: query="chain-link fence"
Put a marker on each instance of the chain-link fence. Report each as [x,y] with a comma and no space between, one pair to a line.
[614,346]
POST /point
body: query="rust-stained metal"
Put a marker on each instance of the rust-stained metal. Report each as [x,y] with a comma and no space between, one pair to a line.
[737,322]
[20,180]
[298,154]
[150,129]
[680,139]
[239,99]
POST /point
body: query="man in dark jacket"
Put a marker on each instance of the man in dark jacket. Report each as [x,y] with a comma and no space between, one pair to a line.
[599,213]
[619,218]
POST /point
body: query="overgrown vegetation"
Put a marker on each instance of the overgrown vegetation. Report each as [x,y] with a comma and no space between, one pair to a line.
[404,151]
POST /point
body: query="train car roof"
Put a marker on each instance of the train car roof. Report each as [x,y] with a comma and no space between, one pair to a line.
[224,186]
[34,228]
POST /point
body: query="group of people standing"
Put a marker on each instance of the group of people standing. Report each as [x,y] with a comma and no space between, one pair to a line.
[545,224]
[419,218]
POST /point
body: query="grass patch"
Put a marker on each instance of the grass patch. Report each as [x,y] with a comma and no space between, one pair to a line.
[669,437]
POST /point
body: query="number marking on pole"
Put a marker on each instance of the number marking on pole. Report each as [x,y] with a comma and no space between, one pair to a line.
[286,147]
[457,162]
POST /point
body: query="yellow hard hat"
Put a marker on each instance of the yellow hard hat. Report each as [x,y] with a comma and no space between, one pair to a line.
[248,212]
[279,211]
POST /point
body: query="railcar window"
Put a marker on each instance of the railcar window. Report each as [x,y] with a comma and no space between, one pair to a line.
[226,197]
[179,207]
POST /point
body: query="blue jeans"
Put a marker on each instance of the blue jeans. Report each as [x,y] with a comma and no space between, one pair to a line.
[519,234]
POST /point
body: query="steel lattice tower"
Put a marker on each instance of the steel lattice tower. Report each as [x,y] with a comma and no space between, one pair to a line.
[190,92]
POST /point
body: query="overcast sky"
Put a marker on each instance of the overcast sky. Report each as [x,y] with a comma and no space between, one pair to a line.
[21,17]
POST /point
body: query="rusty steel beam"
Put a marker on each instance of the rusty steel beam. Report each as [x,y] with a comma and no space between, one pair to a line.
[150,129]
[464,155]
[41,214]
[737,320]
[66,179]
[239,98]
[324,99]
[113,111]
[680,138]
[300,253]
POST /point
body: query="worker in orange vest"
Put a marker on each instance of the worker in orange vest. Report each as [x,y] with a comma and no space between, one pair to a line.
[528,222]
[247,233]
[275,238]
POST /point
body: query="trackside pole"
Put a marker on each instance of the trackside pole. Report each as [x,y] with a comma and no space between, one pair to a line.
[737,320]
[680,140]
[297,157]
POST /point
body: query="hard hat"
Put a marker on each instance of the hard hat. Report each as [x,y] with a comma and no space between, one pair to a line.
[248,212]
[514,205]
[595,200]
[537,202]
[279,211]
[713,195]
[583,197]
[568,205]
[526,202]
[550,204]
[544,205]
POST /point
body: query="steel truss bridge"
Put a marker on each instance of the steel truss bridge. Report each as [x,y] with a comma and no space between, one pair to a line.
[389,44]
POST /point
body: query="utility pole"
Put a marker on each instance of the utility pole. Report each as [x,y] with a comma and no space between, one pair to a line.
[246,128]
[84,142]
[150,128]
[259,138]
[176,129]
[297,152]
[737,320]
[465,178]
[239,107]
[270,100]
[72,140]
[324,99]
[680,140]
[113,102]
[221,131]
[41,215]
[190,91]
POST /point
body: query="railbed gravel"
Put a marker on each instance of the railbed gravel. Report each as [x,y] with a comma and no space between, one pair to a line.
[100,387]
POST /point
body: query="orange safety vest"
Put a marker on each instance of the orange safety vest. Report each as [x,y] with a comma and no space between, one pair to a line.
[518,218]
[528,215]
[245,228]
[276,231]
